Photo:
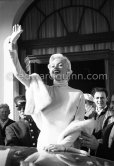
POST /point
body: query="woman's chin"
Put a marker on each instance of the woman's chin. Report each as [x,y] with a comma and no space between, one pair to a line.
[58,80]
[56,77]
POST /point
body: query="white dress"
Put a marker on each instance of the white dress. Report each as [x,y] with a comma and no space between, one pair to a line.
[53,108]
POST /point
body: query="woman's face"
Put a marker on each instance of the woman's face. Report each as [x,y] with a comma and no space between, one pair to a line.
[4,113]
[58,69]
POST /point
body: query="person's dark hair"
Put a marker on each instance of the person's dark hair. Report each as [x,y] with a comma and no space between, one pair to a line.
[20,101]
[5,106]
[112,94]
[99,89]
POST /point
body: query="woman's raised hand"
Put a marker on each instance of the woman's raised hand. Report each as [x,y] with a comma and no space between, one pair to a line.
[17,30]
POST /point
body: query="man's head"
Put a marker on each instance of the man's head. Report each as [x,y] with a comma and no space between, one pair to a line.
[100,96]
[59,67]
[4,112]
[112,103]
[20,102]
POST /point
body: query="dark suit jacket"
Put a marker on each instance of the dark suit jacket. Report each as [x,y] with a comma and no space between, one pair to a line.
[1,139]
[10,121]
[103,150]
[19,134]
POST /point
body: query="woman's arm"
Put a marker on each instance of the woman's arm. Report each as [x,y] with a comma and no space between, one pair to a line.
[75,128]
[12,49]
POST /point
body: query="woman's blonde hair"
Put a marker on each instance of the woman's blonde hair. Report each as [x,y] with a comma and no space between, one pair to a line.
[62,57]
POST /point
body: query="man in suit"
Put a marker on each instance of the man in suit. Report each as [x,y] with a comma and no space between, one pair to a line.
[103,147]
[23,132]
[4,120]
[100,96]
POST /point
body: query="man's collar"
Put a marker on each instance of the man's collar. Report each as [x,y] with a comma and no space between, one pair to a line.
[102,111]
[3,123]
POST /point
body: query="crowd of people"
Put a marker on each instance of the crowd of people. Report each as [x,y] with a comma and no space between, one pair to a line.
[101,142]
[23,132]
[62,116]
